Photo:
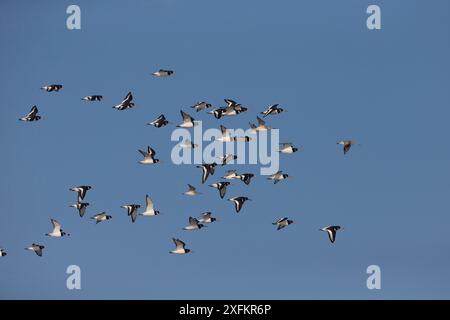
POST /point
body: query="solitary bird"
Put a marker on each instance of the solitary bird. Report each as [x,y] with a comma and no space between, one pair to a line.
[199,106]
[273,109]
[278,176]
[180,247]
[81,207]
[207,169]
[283,222]
[246,177]
[81,190]
[127,103]
[260,127]
[102,216]
[347,144]
[206,218]
[159,122]
[238,202]
[57,232]
[230,175]
[132,210]
[2,252]
[287,148]
[32,115]
[37,248]
[331,230]
[188,121]
[93,98]
[222,187]
[149,156]
[162,73]
[52,87]
[193,224]
[227,158]
[192,191]
[149,209]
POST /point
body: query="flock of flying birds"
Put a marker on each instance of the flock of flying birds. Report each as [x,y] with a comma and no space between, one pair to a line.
[232,108]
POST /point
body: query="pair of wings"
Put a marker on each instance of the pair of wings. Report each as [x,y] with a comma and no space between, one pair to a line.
[128,99]
[178,243]
[150,152]
[186,117]
[33,112]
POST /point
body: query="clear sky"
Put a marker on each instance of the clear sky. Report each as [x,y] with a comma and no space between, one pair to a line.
[388,89]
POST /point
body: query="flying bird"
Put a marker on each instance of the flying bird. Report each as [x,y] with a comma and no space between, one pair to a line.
[278,176]
[188,121]
[2,252]
[283,222]
[218,113]
[271,110]
[149,156]
[163,73]
[37,248]
[199,106]
[102,216]
[260,127]
[159,122]
[32,115]
[246,177]
[287,148]
[206,218]
[180,247]
[52,87]
[126,103]
[347,144]
[230,175]
[227,158]
[331,230]
[81,207]
[132,210]
[222,187]
[188,144]
[81,190]
[93,98]
[192,191]
[193,224]
[207,169]
[238,202]
[57,232]
[149,209]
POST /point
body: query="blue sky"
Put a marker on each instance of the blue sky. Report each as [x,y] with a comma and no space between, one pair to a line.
[387,89]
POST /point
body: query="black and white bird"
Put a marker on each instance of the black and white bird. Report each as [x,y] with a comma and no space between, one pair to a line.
[188,121]
[159,122]
[163,73]
[2,252]
[246,177]
[95,97]
[218,113]
[271,110]
[287,148]
[238,202]
[199,106]
[193,224]
[206,218]
[52,87]
[331,230]
[81,207]
[231,175]
[149,156]
[233,108]
[81,190]
[260,127]
[221,186]
[57,231]
[36,248]
[227,158]
[132,210]
[192,191]
[187,144]
[180,247]
[102,216]
[149,208]
[207,169]
[127,103]
[347,144]
[32,115]
[278,176]
[283,222]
